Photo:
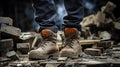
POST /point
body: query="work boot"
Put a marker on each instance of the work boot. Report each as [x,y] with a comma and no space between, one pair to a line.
[72,47]
[47,47]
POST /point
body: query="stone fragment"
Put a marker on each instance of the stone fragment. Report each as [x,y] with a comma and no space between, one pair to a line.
[5,46]
[92,51]
[12,55]
[6,20]
[24,48]
[10,30]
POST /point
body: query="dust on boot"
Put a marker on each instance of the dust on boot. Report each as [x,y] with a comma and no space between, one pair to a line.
[47,48]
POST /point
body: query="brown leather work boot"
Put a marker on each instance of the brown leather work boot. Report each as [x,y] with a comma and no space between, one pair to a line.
[72,47]
[47,48]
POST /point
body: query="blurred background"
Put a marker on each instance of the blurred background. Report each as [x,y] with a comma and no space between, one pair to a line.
[22,13]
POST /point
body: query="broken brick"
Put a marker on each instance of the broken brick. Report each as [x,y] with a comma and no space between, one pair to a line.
[5,46]
[12,55]
[106,44]
[92,51]
[10,30]
[23,47]
[6,20]
[109,7]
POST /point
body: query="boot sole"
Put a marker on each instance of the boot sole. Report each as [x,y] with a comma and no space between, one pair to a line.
[43,57]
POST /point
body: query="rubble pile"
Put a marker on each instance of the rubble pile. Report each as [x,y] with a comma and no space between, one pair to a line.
[102,25]
[100,37]
[13,42]
[105,27]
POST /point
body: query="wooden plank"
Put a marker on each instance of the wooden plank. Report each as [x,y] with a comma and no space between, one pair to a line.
[88,42]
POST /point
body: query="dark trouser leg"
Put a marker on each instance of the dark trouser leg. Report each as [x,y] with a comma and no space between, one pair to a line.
[45,13]
[75,12]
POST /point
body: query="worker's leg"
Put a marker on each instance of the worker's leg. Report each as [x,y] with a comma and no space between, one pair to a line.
[72,47]
[45,13]
[75,12]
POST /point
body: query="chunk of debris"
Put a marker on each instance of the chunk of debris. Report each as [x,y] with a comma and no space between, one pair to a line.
[102,17]
[116,49]
[99,18]
[87,21]
[10,30]
[24,48]
[116,54]
[62,58]
[12,55]
[117,25]
[88,42]
[105,35]
[24,64]
[6,20]
[51,65]
[108,8]
[92,51]
[30,37]
[106,44]
[6,45]
[26,35]
[2,59]
[59,40]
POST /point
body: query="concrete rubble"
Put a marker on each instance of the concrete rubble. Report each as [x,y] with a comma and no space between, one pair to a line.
[29,37]
[92,51]
[10,30]
[6,45]
[6,20]
[12,55]
[99,39]
[24,48]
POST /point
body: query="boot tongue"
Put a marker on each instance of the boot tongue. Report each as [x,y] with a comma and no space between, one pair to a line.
[46,33]
[70,32]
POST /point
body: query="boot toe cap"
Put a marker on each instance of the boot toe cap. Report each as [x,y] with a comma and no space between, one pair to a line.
[68,53]
[35,54]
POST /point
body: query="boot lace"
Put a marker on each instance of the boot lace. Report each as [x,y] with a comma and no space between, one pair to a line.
[46,41]
[70,41]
